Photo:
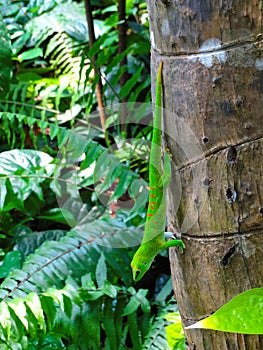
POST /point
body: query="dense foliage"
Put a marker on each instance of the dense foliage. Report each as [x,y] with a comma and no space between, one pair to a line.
[66,231]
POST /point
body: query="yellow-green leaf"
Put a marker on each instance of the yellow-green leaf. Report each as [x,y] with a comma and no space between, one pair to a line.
[19,309]
[33,302]
[5,319]
[242,314]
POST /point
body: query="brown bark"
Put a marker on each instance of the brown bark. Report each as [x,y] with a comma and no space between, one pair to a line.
[122,35]
[213,83]
[92,39]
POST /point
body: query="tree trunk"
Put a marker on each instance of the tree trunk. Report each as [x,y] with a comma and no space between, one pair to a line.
[213,92]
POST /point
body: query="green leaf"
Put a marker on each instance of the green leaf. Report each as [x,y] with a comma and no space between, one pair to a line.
[101,272]
[30,54]
[139,192]
[114,169]
[123,183]
[110,290]
[126,89]
[5,319]
[19,308]
[134,330]
[19,161]
[109,324]
[3,192]
[60,297]
[28,77]
[11,261]
[62,216]
[91,295]
[33,302]
[174,332]
[137,300]
[242,314]
[94,150]
[12,201]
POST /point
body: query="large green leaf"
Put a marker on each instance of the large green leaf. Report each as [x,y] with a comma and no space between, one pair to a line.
[242,314]
[174,332]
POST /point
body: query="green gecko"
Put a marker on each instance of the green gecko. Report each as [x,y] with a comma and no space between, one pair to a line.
[154,236]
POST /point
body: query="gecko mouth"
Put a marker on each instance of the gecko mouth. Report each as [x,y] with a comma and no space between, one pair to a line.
[137,274]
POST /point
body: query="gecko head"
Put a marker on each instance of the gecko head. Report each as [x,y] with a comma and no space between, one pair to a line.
[139,269]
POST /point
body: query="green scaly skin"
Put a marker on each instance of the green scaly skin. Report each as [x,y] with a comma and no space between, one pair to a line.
[154,236]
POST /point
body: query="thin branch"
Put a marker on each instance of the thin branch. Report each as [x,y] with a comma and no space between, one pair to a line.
[122,33]
[92,40]
[46,178]
[41,108]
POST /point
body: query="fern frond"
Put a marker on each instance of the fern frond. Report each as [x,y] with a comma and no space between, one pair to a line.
[156,338]
[54,261]
[134,330]
[17,128]
[166,290]
[109,325]
[91,322]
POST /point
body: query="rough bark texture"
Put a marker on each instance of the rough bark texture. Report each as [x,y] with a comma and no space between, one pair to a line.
[213,83]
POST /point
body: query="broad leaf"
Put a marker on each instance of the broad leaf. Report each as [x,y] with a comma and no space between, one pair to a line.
[174,332]
[242,314]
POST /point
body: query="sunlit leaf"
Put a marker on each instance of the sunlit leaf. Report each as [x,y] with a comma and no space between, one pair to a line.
[242,314]
[30,54]
[33,302]
[5,319]
[19,308]
[174,332]
[3,192]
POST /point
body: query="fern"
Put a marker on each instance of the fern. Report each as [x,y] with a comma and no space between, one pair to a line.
[30,301]
[34,297]
[51,32]
[19,129]
[156,338]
